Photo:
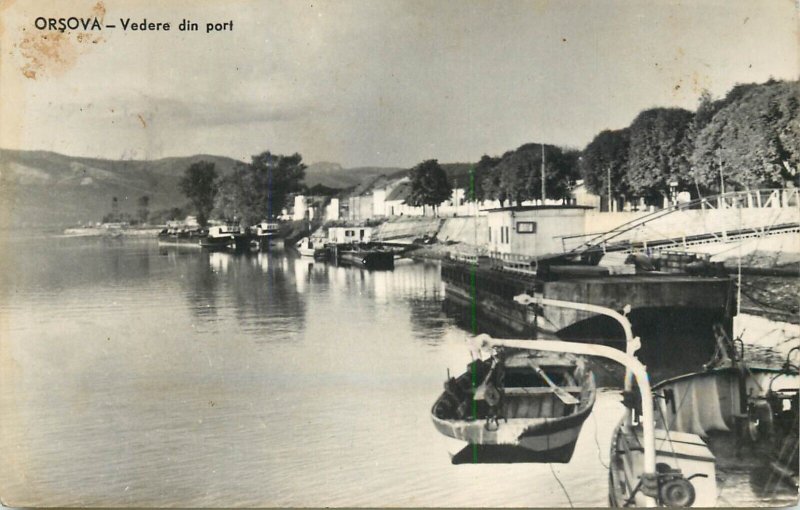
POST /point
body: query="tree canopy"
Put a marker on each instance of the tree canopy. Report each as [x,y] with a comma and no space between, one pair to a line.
[607,154]
[199,184]
[517,175]
[429,185]
[259,190]
[752,140]
[748,139]
[480,184]
[656,155]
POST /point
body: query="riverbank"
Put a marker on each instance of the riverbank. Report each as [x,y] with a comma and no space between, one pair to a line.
[149,231]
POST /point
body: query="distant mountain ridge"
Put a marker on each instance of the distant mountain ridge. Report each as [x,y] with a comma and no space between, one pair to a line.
[41,188]
[333,175]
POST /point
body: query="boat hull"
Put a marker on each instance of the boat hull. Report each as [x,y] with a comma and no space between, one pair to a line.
[702,428]
[368,259]
[218,243]
[536,435]
[527,420]
[193,242]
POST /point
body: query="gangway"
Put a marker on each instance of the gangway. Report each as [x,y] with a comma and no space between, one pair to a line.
[771,212]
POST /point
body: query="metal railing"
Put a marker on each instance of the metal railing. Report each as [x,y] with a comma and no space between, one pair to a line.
[776,198]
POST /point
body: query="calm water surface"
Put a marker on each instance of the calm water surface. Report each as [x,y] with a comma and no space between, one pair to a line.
[133,376]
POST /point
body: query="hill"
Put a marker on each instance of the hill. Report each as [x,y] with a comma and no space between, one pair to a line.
[47,189]
[333,175]
[39,188]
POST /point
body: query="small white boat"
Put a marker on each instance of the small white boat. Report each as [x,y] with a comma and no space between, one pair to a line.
[517,406]
[308,247]
[265,235]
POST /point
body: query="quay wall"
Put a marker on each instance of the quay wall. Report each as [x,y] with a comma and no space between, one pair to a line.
[406,229]
[470,231]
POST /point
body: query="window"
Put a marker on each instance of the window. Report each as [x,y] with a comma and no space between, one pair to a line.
[505,238]
[526,227]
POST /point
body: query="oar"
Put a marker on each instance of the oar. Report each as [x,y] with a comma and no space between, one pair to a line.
[480,391]
[560,393]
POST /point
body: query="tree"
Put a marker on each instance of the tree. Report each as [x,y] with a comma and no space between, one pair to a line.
[234,193]
[491,180]
[429,185]
[753,139]
[515,170]
[519,173]
[481,186]
[656,156]
[276,177]
[260,190]
[144,208]
[200,187]
[607,156]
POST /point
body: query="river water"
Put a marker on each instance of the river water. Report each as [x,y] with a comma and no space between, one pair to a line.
[138,376]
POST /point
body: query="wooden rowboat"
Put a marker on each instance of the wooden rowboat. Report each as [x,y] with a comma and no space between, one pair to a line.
[517,406]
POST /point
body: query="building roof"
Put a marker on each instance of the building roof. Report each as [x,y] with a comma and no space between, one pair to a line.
[400,192]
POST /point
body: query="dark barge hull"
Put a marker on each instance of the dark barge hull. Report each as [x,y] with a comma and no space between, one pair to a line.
[368,259]
[673,314]
[180,240]
[217,244]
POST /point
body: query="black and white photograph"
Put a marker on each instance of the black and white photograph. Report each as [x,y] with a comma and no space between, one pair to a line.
[399,253]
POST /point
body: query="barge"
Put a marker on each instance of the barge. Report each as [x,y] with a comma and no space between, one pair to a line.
[674,314]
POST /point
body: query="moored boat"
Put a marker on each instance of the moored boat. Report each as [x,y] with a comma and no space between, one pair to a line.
[517,406]
[221,237]
[309,247]
[368,257]
[182,236]
[266,235]
[725,426]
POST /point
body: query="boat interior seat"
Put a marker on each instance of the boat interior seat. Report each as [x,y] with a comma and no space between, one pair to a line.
[538,390]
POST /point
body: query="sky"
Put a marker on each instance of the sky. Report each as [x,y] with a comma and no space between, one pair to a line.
[371,83]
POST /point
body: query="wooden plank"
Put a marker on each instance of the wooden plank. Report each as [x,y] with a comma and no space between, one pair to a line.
[537,390]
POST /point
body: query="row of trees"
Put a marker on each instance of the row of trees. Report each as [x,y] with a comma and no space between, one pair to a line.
[513,178]
[748,139]
[250,193]
[516,176]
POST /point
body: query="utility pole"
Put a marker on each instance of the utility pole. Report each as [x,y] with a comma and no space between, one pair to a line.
[543,188]
[608,181]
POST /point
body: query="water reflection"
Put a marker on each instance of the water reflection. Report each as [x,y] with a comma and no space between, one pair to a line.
[200,379]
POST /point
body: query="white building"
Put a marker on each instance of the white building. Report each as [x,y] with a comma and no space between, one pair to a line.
[533,230]
[340,235]
[332,210]
[299,207]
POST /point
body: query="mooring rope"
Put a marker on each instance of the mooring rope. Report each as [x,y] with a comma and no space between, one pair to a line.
[550,464]
[597,442]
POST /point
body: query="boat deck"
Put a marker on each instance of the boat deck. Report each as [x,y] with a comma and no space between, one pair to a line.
[744,477]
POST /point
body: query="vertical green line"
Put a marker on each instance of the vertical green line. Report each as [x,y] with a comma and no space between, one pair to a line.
[474,313]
